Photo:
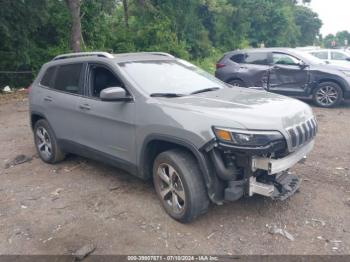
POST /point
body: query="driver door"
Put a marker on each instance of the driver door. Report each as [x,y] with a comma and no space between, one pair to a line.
[288,75]
[106,127]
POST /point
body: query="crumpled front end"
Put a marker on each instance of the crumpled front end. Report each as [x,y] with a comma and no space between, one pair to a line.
[246,171]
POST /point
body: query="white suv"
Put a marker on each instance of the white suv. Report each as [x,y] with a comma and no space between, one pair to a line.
[333,56]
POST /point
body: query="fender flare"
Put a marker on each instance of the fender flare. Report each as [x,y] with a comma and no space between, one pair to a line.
[41,115]
[210,178]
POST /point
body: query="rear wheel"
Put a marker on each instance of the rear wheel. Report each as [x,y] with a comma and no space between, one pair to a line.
[328,94]
[46,143]
[179,185]
[237,82]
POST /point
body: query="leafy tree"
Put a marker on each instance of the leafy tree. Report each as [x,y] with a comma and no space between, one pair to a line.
[339,39]
[309,25]
[342,37]
[199,30]
[328,39]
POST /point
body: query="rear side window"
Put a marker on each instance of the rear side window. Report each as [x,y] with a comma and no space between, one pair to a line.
[239,58]
[338,56]
[48,77]
[68,78]
[258,58]
[321,55]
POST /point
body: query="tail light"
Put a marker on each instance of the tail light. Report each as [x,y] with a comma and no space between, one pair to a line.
[220,65]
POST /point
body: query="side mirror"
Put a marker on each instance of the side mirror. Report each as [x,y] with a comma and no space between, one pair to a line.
[302,65]
[115,94]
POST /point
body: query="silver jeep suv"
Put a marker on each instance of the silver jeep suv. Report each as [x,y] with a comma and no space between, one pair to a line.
[160,117]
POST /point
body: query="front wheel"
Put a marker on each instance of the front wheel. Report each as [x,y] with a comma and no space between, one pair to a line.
[179,185]
[327,94]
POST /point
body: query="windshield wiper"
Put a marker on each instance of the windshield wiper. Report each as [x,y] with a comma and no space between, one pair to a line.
[166,95]
[205,90]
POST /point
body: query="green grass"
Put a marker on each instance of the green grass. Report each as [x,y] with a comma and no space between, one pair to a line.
[209,63]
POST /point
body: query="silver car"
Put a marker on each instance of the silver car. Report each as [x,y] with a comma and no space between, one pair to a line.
[160,117]
[333,56]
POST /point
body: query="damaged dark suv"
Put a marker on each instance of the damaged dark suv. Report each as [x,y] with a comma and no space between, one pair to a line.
[160,117]
[288,72]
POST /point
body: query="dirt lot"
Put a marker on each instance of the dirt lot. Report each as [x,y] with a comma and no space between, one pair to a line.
[56,209]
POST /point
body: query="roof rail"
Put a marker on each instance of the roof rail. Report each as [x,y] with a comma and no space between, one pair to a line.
[160,53]
[82,54]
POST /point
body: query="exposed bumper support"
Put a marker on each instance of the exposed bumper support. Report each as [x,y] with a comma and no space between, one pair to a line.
[274,166]
[283,187]
[260,188]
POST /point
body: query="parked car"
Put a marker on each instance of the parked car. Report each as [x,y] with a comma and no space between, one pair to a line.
[160,117]
[286,71]
[333,56]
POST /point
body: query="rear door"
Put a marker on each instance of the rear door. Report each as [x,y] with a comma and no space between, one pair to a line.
[287,75]
[60,99]
[254,67]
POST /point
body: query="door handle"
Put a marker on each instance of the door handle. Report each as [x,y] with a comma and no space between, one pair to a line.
[48,98]
[85,107]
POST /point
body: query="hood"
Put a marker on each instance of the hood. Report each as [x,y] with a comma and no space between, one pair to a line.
[345,65]
[251,109]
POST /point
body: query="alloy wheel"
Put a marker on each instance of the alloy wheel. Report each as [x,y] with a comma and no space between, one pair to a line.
[327,95]
[44,144]
[171,188]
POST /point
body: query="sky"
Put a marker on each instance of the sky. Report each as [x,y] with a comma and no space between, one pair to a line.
[335,15]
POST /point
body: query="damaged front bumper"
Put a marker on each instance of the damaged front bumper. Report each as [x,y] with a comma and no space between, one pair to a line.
[265,176]
[275,166]
[284,183]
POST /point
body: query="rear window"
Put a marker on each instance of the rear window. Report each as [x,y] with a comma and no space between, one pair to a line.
[256,58]
[68,78]
[47,78]
[321,55]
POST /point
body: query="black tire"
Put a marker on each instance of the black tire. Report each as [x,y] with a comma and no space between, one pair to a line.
[44,136]
[190,186]
[327,94]
[237,82]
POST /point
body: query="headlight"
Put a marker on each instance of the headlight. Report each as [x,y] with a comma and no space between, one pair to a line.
[347,73]
[247,137]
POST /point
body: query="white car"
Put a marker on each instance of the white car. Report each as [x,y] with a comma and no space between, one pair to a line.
[333,56]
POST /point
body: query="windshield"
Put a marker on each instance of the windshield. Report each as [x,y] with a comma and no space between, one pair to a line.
[176,76]
[308,58]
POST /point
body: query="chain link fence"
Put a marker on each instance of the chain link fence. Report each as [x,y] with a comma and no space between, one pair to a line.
[16,79]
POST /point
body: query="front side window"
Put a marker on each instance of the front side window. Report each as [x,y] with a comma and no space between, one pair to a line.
[68,78]
[321,55]
[284,59]
[101,78]
[48,77]
[338,56]
[258,58]
[178,77]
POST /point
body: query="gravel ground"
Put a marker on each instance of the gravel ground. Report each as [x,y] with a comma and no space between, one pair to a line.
[57,209]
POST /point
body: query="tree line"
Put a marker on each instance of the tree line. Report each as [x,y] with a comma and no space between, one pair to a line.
[34,31]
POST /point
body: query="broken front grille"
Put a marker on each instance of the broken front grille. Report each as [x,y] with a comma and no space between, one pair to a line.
[303,132]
